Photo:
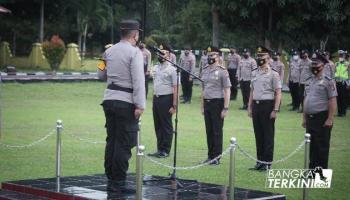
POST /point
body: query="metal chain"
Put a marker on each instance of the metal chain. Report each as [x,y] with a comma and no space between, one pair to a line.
[31,144]
[243,152]
[86,140]
[190,167]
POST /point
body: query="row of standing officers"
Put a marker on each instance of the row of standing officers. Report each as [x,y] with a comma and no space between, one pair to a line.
[124,102]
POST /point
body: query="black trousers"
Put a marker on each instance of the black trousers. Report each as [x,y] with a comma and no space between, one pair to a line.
[213,126]
[163,121]
[264,129]
[320,139]
[294,92]
[146,84]
[342,98]
[245,88]
[301,94]
[234,82]
[122,130]
[186,86]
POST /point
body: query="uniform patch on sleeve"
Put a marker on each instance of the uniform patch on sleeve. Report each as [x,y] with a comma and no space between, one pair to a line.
[101,65]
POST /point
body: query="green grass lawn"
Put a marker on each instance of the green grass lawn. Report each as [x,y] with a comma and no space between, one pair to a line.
[30,111]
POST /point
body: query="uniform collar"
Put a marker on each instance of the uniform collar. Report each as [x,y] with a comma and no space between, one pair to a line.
[264,70]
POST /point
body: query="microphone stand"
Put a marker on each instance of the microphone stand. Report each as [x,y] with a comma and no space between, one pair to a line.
[178,68]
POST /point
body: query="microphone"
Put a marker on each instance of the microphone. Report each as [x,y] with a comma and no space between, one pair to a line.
[155,49]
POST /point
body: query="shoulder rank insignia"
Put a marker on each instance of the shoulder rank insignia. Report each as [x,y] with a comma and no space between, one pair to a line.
[327,78]
[254,69]
[101,65]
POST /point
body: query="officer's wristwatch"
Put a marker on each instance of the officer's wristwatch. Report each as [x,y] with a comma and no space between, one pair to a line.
[225,109]
[276,110]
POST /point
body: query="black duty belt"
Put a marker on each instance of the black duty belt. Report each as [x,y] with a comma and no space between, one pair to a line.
[213,100]
[263,101]
[317,115]
[113,86]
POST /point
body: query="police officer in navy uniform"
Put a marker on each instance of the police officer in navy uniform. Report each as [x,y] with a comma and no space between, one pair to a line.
[264,101]
[164,102]
[124,101]
[215,100]
[319,109]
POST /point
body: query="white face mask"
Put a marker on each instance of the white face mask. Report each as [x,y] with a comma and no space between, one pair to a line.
[341,59]
[295,57]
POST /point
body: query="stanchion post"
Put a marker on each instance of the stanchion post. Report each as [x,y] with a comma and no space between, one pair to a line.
[306,160]
[233,142]
[139,155]
[59,127]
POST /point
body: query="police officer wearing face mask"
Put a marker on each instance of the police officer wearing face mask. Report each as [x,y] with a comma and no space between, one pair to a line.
[264,101]
[188,62]
[342,78]
[164,102]
[294,80]
[215,101]
[319,108]
[233,60]
[305,75]
[278,65]
[244,75]
[123,102]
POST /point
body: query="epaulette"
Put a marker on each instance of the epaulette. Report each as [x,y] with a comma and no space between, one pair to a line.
[308,78]
[205,66]
[274,70]
[254,69]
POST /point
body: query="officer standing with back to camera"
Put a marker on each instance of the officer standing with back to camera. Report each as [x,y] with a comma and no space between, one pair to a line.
[342,78]
[188,62]
[244,75]
[264,101]
[123,102]
[305,75]
[215,101]
[164,102]
[233,60]
[319,109]
[294,80]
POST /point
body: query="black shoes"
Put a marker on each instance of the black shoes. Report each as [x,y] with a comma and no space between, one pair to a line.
[120,187]
[260,167]
[256,167]
[211,162]
[244,108]
[186,101]
[159,154]
[293,109]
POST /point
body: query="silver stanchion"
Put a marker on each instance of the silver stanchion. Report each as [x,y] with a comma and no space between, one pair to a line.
[232,168]
[139,180]
[59,127]
[138,143]
[306,160]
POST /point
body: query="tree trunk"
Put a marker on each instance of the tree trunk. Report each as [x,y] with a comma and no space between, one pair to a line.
[269,28]
[14,43]
[41,31]
[216,22]
[84,40]
[112,22]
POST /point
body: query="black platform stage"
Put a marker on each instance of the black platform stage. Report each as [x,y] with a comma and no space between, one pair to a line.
[94,187]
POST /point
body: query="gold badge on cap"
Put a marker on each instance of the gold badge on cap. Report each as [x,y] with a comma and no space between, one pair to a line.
[259,49]
[209,49]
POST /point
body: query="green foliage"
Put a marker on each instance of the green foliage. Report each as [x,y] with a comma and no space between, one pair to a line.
[54,51]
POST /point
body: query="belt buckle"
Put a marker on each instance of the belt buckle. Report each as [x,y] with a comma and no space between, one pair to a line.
[207,100]
[257,102]
[311,116]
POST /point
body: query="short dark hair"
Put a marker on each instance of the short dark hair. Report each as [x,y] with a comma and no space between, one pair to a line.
[126,33]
